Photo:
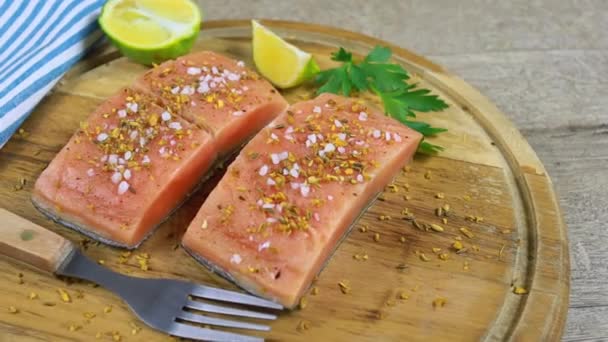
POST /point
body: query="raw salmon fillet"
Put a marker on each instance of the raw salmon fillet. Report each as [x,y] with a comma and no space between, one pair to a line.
[293,192]
[138,155]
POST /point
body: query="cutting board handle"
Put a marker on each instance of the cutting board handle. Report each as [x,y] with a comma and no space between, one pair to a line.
[30,243]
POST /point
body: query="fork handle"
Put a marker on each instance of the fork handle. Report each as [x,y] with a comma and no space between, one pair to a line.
[32,244]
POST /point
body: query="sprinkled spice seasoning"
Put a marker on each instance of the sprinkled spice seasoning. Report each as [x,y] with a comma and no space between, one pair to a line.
[344,287]
[519,290]
[63,294]
[439,302]
[303,302]
[303,326]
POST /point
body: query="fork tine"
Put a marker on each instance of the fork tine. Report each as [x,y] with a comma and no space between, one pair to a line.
[196,333]
[191,317]
[233,297]
[227,311]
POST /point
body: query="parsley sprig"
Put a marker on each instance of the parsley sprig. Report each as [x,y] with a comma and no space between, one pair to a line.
[389,82]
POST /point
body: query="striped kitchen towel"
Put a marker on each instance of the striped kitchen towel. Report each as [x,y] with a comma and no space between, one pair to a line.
[39,41]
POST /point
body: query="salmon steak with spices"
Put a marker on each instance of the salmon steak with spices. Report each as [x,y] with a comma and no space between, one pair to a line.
[142,151]
[294,191]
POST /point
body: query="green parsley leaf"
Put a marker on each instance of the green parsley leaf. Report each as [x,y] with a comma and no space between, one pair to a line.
[389,82]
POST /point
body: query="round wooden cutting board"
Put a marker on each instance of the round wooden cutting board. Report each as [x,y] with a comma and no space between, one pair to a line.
[401,289]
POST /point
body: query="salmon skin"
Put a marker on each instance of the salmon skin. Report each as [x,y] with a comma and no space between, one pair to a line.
[294,191]
[145,149]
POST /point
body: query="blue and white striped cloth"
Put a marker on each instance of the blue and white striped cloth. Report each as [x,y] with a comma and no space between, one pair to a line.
[39,41]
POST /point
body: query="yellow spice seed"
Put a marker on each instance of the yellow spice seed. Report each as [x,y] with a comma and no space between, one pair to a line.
[314,291]
[519,290]
[390,302]
[403,295]
[436,250]
[107,309]
[98,335]
[466,232]
[13,309]
[376,237]
[439,302]
[89,315]
[65,296]
[101,262]
[33,295]
[303,325]
[436,227]
[423,257]
[465,266]
[303,302]
[444,220]
[443,256]
[402,239]
[440,195]
[344,287]
[457,245]
[74,327]
[427,175]
[363,229]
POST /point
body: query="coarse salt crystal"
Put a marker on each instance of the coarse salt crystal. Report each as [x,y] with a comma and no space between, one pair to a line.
[240,64]
[172,142]
[397,137]
[387,136]
[295,186]
[238,113]
[133,135]
[113,159]
[260,202]
[175,90]
[337,123]
[142,141]
[284,155]
[212,85]
[263,246]
[145,160]
[162,150]
[359,178]
[316,109]
[288,137]
[132,107]
[362,116]
[376,134]
[341,149]
[342,136]
[187,90]
[166,116]
[285,172]
[274,136]
[175,125]
[122,113]
[329,147]
[123,187]
[128,155]
[102,137]
[121,161]
[104,158]
[91,172]
[235,259]
[116,177]
[193,71]
[289,130]
[304,190]
[268,205]
[294,173]
[312,138]
[234,77]
[203,88]
[270,182]
[214,70]
[263,170]
[317,217]
[275,158]
[245,88]
[271,220]
[127,174]
[330,197]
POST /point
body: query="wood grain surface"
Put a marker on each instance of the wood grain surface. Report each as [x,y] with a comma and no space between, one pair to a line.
[543,63]
[488,171]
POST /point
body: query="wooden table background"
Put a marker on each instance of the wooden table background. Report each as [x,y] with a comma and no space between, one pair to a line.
[544,64]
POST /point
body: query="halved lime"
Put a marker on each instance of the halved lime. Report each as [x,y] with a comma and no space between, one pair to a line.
[282,63]
[151,31]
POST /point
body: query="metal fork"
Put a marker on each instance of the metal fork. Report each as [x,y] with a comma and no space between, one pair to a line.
[160,303]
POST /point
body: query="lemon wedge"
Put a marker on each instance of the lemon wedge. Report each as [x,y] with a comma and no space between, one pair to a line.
[151,31]
[280,62]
